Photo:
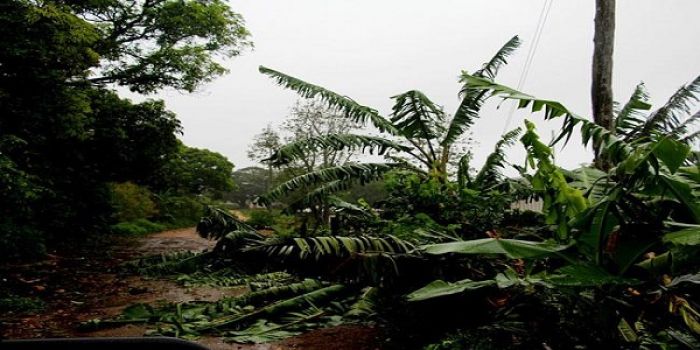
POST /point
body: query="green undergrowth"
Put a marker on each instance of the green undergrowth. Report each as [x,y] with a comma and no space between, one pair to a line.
[168,264]
[276,304]
[259,316]
[227,278]
[137,227]
[14,304]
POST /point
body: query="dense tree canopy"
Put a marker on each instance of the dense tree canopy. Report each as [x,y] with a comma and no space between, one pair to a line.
[195,171]
[250,183]
[63,133]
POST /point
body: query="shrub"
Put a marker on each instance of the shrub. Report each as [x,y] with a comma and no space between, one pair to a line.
[20,305]
[231,205]
[138,227]
[20,242]
[181,211]
[469,212]
[286,225]
[131,202]
[262,218]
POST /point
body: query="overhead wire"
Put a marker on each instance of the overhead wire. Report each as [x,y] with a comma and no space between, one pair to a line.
[539,29]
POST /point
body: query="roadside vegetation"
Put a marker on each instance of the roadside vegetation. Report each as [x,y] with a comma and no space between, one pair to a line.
[350,216]
[445,260]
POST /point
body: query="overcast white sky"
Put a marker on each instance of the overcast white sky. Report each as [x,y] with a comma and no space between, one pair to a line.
[371,50]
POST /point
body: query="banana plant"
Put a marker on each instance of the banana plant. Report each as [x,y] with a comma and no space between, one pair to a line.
[647,185]
[418,136]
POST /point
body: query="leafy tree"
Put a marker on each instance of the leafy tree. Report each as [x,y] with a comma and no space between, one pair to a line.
[69,135]
[247,185]
[634,227]
[132,202]
[266,142]
[312,118]
[196,171]
[417,137]
[151,44]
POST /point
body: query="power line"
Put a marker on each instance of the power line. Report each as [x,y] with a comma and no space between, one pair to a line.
[544,14]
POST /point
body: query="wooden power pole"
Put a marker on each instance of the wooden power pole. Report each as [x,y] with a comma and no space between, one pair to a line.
[601,87]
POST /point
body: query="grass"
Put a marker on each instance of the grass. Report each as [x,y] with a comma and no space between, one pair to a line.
[20,305]
[137,227]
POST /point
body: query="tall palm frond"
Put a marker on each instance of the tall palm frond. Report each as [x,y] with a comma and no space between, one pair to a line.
[472,100]
[594,183]
[632,158]
[416,116]
[669,117]
[490,69]
[350,108]
[693,137]
[335,246]
[681,131]
[217,223]
[344,207]
[591,132]
[355,173]
[322,192]
[490,174]
[630,117]
[336,142]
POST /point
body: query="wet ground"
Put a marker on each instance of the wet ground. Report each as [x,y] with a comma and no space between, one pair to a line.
[89,284]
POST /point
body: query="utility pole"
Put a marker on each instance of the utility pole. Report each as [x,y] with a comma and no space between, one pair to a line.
[601,87]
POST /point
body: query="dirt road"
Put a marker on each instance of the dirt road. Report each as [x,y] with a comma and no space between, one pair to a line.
[88,284]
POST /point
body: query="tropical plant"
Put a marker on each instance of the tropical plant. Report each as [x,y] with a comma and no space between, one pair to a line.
[606,222]
[417,136]
[647,176]
[261,316]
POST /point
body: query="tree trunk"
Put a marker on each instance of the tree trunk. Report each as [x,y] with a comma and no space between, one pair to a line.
[601,87]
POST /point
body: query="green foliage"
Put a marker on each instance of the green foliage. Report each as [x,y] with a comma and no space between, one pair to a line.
[439,288]
[490,176]
[346,174]
[561,202]
[218,224]
[180,211]
[689,236]
[21,242]
[336,246]
[262,218]
[224,280]
[612,218]
[286,225]
[366,304]
[13,304]
[193,171]
[167,264]
[417,117]
[353,110]
[300,148]
[414,201]
[472,100]
[419,123]
[511,248]
[151,45]
[137,227]
[70,135]
[261,316]
[629,117]
[249,183]
[132,202]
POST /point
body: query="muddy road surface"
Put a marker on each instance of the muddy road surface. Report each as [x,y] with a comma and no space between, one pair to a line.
[88,283]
